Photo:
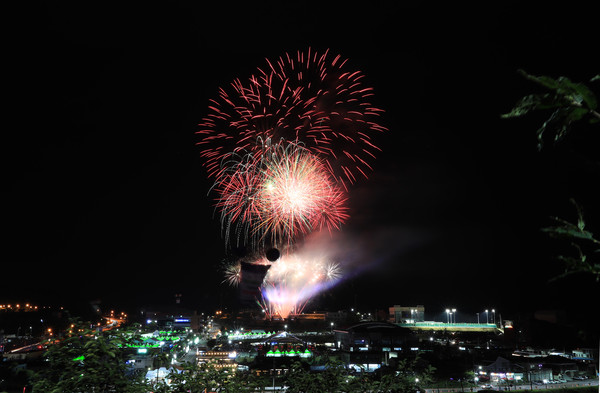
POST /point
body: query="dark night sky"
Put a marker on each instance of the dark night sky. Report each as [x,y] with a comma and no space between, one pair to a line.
[104,196]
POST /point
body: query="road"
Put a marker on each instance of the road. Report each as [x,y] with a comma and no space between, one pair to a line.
[587,382]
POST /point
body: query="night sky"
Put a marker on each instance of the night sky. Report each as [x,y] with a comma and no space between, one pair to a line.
[104,195]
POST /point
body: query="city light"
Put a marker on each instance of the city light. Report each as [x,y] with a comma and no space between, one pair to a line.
[449,315]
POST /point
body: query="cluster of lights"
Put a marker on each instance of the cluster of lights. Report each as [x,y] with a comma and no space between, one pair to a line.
[278,353]
[122,315]
[18,306]
[241,335]
[451,315]
[216,353]
[166,338]
[230,365]
[78,330]
[150,341]
[162,333]
[145,345]
[361,315]
[493,316]
[214,356]
[487,316]
[509,376]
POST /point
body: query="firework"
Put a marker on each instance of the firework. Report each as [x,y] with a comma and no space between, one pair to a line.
[292,281]
[332,271]
[289,283]
[282,148]
[308,98]
[279,194]
[233,274]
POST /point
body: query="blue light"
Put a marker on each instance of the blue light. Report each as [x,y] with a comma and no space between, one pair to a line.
[182,320]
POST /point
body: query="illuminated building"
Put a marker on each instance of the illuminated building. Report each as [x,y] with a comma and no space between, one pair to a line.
[277,352]
[284,344]
[369,345]
[586,354]
[217,359]
[501,369]
[403,314]
[533,366]
[173,317]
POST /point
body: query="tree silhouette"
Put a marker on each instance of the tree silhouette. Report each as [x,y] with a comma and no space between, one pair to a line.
[569,103]
[87,361]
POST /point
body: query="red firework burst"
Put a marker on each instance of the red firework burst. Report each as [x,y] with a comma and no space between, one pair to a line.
[309,98]
[279,194]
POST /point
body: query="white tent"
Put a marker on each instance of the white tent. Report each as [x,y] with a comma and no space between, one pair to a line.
[160,373]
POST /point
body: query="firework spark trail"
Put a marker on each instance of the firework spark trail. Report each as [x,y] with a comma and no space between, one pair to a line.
[282,147]
[278,195]
[299,195]
[293,280]
[238,202]
[309,98]
[233,274]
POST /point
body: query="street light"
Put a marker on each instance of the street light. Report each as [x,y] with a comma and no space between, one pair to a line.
[487,320]
[454,312]
[448,315]
[477,318]
[493,316]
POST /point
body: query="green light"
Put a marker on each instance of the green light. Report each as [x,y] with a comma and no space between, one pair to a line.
[79,358]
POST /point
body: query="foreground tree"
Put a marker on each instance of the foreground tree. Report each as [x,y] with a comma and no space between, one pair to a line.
[87,361]
[586,245]
[406,377]
[205,378]
[570,104]
[332,379]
